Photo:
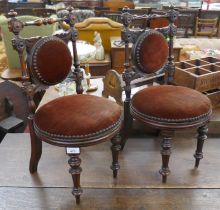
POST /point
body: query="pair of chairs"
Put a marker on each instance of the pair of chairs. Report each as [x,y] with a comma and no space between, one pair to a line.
[83,120]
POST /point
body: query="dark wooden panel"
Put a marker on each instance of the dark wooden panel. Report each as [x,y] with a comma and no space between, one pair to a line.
[109,199]
[25,5]
[3,6]
[99,68]
[81,3]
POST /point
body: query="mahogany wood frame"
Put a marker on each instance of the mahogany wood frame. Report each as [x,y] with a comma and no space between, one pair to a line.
[20,45]
[167,128]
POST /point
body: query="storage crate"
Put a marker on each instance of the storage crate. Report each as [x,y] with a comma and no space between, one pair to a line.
[200,74]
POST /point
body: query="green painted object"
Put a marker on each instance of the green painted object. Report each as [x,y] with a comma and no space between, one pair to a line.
[30,31]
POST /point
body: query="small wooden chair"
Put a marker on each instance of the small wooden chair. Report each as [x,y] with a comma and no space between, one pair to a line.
[165,107]
[205,27]
[186,22]
[72,121]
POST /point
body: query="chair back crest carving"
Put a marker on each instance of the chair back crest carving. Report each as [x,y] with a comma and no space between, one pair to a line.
[49,59]
[150,52]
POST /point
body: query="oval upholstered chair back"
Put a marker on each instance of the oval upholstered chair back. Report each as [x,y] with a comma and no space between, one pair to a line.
[45,63]
[150,51]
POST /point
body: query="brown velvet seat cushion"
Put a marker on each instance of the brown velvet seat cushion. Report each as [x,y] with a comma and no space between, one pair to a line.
[175,103]
[77,116]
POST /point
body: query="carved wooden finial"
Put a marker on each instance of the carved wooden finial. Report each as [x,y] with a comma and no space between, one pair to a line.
[171,6]
[12,13]
[14,25]
[47,21]
[38,22]
[125,9]
[50,21]
[69,8]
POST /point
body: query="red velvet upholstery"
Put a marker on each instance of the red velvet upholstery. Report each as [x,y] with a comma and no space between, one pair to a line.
[171,102]
[50,60]
[77,115]
[150,51]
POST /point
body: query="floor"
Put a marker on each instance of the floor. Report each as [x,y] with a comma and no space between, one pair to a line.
[138,185]
[110,199]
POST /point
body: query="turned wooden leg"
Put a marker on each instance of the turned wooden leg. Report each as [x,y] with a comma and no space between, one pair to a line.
[202,136]
[115,152]
[165,152]
[127,124]
[75,171]
[36,148]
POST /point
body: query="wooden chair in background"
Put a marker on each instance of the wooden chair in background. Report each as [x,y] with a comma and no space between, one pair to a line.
[186,22]
[72,121]
[205,27]
[211,14]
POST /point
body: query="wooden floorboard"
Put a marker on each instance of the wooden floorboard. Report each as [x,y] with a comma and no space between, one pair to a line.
[109,199]
[137,187]
[140,162]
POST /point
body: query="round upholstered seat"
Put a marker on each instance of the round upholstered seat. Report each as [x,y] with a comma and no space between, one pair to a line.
[167,104]
[77,120]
